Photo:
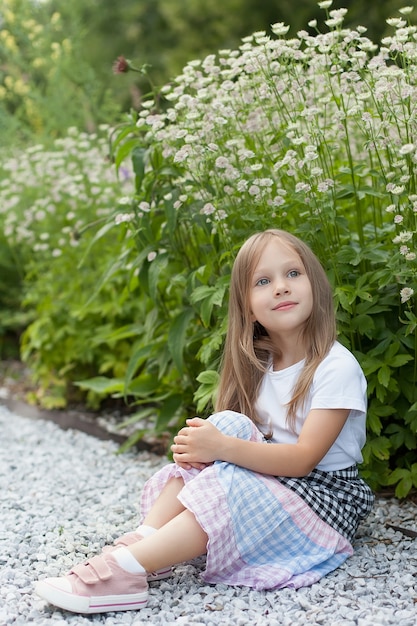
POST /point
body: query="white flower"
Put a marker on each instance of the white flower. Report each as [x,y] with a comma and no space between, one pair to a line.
[265,182]
[398,219]
[222,162]
[325,4]
[125,200]
[278,201]
[207,209]
[145,207]
[407,148]
[280,28]
[410,256]
[396,190]
[323,186]
[338,13]
[403,237]
[302,187]
[397,22]
[406,293]
[406,10]
[316,171]
[254,190]
[124,217]
[334,21]
[152,256]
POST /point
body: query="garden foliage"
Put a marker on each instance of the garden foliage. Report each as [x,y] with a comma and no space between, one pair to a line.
[52,201]
[46,82]
[315,134]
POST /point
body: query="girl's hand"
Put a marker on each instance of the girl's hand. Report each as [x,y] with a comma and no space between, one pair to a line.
[197,444]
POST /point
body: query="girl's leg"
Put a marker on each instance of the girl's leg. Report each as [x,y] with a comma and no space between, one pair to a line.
[166,506]
[181,539]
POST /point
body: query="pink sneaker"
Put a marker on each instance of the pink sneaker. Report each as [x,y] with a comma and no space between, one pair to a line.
[99,585]
[127,540]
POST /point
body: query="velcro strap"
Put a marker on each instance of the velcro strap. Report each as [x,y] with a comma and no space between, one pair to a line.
[93,570]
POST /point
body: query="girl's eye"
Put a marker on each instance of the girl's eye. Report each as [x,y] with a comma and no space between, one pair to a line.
[262,281]
[293,273]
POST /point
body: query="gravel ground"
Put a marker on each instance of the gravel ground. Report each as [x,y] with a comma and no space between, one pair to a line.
[65,494]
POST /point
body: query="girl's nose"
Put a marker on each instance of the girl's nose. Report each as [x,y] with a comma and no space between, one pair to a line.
[281,287]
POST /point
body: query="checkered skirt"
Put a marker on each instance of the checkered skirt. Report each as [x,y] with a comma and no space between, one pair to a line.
[262,533]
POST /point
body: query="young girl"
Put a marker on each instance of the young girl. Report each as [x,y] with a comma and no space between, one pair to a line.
[267,487]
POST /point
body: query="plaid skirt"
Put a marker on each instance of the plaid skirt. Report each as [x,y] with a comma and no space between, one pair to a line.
[340,498]
[261,532]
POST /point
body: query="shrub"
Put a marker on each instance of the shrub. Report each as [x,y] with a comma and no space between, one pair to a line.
[51,203]
[315,134]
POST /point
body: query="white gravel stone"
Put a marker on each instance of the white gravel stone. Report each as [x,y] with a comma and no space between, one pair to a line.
[63,495]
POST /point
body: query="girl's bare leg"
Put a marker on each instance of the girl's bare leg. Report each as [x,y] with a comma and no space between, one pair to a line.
[167,506]
[180,539]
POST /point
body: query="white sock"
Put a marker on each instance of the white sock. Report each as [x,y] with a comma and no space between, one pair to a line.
[146,531]
[127,561]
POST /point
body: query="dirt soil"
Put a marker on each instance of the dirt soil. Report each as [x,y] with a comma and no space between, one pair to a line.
[15,385]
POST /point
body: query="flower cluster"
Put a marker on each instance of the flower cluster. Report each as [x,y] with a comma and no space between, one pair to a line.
[48,196]
[310,127]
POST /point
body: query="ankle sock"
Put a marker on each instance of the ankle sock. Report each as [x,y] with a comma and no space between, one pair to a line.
[127,561]
[146,531]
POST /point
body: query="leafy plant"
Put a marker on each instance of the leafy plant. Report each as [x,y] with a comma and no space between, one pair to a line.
[315,134]
[60,298]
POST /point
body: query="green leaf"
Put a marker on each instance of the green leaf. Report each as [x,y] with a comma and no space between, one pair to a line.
[132,440]
[143,386]
[379,447]
[101,384]
[171,214]
[168,410]
[176,337]
[208,377]
[155,268]
[400,360]
[124,150]
[384,375]
[364,324]
[137,358]
[348,254]
[209,380]
[138,162]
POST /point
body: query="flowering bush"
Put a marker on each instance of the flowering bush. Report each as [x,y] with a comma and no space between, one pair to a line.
[50,199]
[315,134]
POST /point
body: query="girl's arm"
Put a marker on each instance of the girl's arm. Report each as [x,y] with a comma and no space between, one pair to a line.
[202,442]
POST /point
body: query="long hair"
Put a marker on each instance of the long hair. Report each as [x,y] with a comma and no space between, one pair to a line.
[248,349]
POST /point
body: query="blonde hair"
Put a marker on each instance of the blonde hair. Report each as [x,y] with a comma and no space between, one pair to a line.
[248,349]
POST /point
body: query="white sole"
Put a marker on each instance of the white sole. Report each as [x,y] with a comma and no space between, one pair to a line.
[90,604]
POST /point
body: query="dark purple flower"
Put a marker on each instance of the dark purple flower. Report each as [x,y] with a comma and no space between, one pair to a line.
[121,65]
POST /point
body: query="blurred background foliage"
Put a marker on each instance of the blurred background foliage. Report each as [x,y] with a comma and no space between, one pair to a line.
[56,56]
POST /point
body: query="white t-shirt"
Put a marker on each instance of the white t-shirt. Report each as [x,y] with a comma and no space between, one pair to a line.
[338,383]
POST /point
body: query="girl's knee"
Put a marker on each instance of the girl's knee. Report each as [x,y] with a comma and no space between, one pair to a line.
[235,425]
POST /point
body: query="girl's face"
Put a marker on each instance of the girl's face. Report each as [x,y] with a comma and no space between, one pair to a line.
[281,297]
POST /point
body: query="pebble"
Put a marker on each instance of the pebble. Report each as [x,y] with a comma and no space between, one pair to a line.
[64,494]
